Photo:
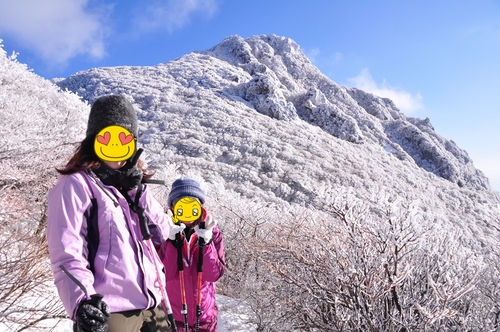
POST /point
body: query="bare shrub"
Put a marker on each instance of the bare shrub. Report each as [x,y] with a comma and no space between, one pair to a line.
[27,295]
[41,123]
[363,266]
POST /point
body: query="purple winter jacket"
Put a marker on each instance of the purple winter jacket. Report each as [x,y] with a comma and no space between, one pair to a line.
[92,232]
[213,268]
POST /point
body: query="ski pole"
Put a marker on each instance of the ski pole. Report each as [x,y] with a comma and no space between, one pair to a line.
[180,264]
[165,301]
[201,245]
[146,235]
[147,238]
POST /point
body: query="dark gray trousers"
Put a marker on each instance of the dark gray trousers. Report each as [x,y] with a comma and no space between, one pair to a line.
[153,320]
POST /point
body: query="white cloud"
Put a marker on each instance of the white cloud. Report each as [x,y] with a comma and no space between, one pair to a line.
[337,57]
[316,56]
[55,29]
[313,54]
[173,14]
[403,100]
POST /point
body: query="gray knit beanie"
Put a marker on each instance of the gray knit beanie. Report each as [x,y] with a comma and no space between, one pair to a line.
[111,110]
[185,187]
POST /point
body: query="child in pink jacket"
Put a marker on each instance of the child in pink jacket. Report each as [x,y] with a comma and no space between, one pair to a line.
[192,230]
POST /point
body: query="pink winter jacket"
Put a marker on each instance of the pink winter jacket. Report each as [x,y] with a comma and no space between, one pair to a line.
[213,269]
[92,232]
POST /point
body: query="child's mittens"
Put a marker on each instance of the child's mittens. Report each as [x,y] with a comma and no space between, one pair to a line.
[174,229]
[206,233]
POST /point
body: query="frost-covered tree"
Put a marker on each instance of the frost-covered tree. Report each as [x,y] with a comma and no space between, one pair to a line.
[364,266]
[40,125]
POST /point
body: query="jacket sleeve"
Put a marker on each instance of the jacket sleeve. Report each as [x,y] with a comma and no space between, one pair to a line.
[66,231]
[157,218]
[214,260]
[168,255]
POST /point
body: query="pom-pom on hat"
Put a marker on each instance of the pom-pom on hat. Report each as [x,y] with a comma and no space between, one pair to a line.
[111,110]
[185,187]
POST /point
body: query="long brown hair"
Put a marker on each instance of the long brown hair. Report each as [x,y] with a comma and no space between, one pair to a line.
[85,159]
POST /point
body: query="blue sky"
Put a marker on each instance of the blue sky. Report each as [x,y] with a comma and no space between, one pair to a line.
[435,59]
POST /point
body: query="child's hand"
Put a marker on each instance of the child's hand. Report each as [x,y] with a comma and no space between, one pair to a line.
[174,229]
[206,233]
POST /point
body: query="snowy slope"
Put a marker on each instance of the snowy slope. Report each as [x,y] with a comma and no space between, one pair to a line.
[234,316]
[271,75]
[257,116]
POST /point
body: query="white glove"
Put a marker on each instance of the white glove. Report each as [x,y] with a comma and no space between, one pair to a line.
[174,229]
[206,233]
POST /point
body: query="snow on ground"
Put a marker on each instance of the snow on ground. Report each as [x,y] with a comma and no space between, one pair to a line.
[234,316]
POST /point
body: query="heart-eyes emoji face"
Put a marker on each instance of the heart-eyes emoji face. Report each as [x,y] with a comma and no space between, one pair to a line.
[114,143]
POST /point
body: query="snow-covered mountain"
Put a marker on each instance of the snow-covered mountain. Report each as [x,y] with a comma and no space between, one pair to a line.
[311,181]
[256,115]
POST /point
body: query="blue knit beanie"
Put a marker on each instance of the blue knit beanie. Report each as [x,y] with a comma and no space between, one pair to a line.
[185,187]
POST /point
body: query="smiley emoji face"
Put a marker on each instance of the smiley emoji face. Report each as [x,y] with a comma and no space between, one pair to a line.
[114,143]
[187,210]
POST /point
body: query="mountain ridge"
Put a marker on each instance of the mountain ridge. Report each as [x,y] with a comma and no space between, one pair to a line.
[329,102]
[285,85]
[258,117]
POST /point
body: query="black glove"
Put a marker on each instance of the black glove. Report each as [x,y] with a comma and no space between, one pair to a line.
[130,175]
[130,178]
[92,316]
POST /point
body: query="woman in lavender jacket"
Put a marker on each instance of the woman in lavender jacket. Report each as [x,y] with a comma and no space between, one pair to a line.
[94,236]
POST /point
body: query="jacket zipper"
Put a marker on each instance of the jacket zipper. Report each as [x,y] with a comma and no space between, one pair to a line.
[99,184]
